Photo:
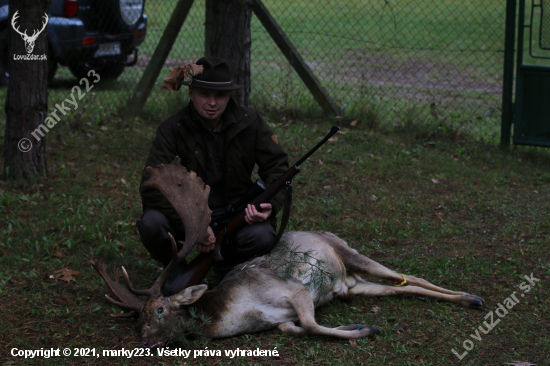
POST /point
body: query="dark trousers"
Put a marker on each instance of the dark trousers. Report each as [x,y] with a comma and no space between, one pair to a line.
[248,242]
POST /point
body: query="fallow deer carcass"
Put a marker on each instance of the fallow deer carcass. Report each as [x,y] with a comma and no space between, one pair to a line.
[253,297]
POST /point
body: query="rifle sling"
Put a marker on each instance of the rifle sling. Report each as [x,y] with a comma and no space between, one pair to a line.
[284,219]
[286,213]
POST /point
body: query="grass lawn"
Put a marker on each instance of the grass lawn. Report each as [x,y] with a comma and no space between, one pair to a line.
[425,201]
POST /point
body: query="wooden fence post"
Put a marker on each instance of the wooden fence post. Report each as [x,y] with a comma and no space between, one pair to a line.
[292,55]
[147,82]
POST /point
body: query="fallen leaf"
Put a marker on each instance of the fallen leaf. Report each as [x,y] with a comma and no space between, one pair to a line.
[295,150]
[332,139]
[373,198]
[122,181]
[326,187]
[353,342]
[353,123]
[58,255]
[417,357]
[329,150]
[65,274]
[375,309]
[342,132]
[338,117]
[439,214]
[435,181]
[521,363]
[320,162]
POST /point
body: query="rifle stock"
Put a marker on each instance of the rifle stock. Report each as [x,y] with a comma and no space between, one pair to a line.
[196,270]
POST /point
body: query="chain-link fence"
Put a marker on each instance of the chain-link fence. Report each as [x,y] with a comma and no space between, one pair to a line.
[382,61]
[392,62]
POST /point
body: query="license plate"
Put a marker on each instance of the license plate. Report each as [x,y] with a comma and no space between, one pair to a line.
[108,49]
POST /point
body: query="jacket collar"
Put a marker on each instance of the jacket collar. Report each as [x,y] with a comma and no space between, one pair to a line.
[242,119]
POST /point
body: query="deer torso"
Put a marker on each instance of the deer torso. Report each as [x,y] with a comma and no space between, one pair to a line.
[253,298]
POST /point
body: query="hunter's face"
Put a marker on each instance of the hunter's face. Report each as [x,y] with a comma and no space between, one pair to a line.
[209,104]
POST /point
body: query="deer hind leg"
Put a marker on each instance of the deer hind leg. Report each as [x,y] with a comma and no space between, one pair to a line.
[305,310]
[357,263]
[358,286]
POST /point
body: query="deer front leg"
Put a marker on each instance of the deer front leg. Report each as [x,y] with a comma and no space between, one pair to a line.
[303,305]
[361,287]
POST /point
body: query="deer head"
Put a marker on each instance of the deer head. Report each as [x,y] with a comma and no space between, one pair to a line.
[29,41]
[161,316]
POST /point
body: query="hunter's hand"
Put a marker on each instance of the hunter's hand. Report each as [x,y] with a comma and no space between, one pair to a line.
[208,247]
[252,215]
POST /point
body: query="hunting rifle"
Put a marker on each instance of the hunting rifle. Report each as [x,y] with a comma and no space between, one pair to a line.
[196,270]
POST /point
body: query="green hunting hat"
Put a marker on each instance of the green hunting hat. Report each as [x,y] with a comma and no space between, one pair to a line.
[216,75]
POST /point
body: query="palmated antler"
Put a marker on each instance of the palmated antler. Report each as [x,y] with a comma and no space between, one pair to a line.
[189,196]
[127,299]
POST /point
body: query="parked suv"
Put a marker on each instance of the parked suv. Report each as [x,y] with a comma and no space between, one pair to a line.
[103,35]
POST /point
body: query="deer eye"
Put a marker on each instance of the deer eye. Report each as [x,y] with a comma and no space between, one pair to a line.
[160,310]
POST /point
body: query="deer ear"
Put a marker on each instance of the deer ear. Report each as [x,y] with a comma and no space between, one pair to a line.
[188,296]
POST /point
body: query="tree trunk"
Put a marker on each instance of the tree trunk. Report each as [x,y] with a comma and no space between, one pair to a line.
[27,98]
[227,35]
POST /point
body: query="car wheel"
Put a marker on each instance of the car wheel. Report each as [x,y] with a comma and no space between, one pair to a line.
[118,15]
[110,70]
[4,59]
[4,73]
[52,64]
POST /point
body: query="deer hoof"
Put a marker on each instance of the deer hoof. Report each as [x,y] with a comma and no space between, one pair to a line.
[374,330]
[351,327]
[477,303]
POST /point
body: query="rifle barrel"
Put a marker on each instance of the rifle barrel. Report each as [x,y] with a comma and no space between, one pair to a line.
[333,130]
[196,270]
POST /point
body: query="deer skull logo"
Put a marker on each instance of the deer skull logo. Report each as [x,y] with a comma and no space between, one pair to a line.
[29,41]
